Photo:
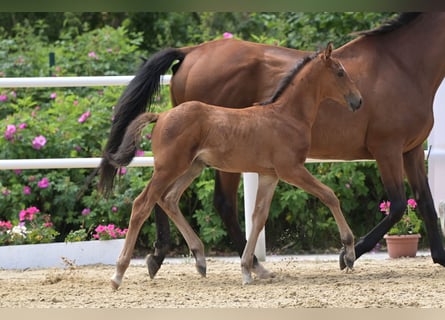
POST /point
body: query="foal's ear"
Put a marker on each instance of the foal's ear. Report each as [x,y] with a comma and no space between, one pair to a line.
[328,50]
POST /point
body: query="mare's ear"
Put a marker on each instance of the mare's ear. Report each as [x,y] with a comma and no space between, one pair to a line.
[328,50]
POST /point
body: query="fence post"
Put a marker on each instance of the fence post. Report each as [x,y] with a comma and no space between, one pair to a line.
[436,160]
[250,182]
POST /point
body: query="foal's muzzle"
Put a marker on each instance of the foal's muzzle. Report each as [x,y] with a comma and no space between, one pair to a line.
[354,101]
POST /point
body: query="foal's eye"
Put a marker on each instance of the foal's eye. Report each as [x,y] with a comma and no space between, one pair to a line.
[341,73]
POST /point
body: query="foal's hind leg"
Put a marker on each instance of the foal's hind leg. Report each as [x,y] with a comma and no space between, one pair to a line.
[169,202]
[299,176]
[140,212]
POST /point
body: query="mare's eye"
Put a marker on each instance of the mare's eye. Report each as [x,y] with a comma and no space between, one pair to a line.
[341,73]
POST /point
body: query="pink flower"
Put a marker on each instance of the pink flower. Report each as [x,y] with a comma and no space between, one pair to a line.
[384,207]
[18,171]
[6,192]
[48,224]
[114,209]
[3,97]
[75,102]
[26,190]
[121,171]
[10,131]
[227,35]
[43,183]
[148,136]
[84,117]
[53,95]
[412,203]
[93,54]
[28,214]
[22,126]
[5,225]
[139,153]
[86,211]
[38,142]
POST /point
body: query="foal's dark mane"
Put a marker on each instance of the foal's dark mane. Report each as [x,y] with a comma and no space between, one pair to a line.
[401,20]
[284,83]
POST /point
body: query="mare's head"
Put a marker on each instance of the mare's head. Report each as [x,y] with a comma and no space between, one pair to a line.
[337,85]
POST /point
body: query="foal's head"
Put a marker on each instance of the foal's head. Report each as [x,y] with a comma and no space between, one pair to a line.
[337,84]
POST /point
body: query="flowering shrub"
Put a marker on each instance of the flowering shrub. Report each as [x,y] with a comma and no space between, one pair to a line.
[409,224]
[33,227]
[109,232]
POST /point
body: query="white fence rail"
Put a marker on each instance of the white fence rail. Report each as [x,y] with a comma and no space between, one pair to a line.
[250,180]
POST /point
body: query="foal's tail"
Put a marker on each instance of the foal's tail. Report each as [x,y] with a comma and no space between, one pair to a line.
[140,91]
[125,153]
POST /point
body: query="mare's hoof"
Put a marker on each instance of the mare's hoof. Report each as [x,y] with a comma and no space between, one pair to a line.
[342,259]
[152,265]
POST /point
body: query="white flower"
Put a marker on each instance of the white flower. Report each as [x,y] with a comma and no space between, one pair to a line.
[18,231]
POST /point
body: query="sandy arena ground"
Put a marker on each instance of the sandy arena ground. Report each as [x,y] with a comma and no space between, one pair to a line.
[406,282]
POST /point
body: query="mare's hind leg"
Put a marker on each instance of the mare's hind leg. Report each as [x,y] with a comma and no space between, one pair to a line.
[415,170]
[299,176]
[266,188]
[225,201]
[162,243]
[169,202]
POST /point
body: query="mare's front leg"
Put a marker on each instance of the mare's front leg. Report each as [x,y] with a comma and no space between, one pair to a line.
[266,188]
[225,202]
[391,171]
[162,244]
[414,162]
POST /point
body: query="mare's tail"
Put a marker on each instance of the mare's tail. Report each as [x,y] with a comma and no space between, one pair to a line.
[130,141]
[140,91]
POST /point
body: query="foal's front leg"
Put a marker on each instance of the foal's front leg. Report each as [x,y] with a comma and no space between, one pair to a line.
[266,188]
[299,176]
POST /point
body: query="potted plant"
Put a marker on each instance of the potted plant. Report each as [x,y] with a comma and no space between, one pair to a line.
[29,242]
[403,238]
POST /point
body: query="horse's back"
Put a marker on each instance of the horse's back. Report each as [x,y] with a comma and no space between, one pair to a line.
[231,72]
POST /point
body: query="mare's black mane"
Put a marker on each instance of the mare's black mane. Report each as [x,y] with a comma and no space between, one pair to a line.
[401,20]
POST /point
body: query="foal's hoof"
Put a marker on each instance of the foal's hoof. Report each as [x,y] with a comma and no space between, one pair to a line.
[152,265]
[202,270]
[115,282]
[345,261]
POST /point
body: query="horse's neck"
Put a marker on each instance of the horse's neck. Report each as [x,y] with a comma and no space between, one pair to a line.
[301,99]
[418,46]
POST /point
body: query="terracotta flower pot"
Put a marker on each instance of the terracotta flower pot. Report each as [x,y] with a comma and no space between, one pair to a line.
[402,246]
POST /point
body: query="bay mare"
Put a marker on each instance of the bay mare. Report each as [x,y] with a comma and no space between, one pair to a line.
[272,140]
[397,67]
